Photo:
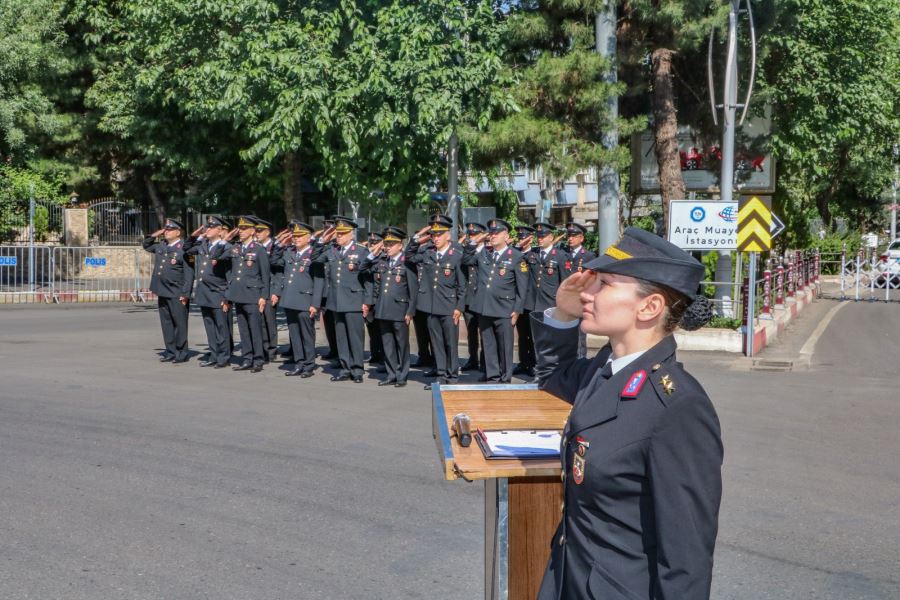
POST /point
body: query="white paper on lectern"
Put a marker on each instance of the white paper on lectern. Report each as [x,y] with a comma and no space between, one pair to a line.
[518,443]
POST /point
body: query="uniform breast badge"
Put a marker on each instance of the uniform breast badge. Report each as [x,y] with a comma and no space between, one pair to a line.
[579,460]
[523,267]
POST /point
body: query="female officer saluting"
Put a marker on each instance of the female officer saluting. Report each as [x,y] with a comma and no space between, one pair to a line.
[642,450]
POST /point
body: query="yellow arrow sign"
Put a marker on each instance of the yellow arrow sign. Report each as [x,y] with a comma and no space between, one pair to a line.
[754,226]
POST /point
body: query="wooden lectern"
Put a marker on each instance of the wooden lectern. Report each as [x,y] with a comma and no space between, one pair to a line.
[522,498]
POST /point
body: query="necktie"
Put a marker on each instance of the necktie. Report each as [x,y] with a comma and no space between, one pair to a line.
[496,256]
[606,371]
[543,255]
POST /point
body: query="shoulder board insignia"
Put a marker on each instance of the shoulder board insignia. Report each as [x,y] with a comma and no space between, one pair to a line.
[668,384]
[634,385]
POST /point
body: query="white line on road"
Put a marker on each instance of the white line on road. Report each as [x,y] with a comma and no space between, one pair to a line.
[806,352]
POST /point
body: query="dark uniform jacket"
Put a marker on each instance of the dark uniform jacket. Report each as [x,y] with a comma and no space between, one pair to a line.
[348,286]
[250,273]
[641,456]
[544,277]
[395,289]
[275,264]
[502,284]
[442,285]
[471,284]
[173,275]
[577,260]
[302,281]
[212,273]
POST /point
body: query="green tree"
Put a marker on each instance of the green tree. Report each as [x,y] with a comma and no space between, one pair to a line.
[361,95]
[561,93]
[832,72]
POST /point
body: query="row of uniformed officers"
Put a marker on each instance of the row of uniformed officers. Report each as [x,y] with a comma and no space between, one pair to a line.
[490,282]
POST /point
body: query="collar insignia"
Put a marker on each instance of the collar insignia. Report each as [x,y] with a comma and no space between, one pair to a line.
[668,384]
[634,385]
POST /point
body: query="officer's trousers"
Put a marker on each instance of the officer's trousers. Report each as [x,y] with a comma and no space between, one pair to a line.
[395,341]
[302,332]
[350,329]
[376,348]
[444,345]
[473,338]
[423,339]
[497,339]
[328,324]
[215,321]
[526,341]
[173,317]
[250,327]
[270,331]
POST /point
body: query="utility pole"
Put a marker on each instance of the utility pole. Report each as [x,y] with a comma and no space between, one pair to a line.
[453,185]
[608,177]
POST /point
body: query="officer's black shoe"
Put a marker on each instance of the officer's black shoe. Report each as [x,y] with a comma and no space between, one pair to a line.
[330,356]
[206,363]
[340,378]
[431,373]
[423,362]
[244,367]
[504,381]
[357,379]
[220,366]
[178,361]
[293,373]
[520,369]
[470,366]
[387,382]
[256,369]
[381,369]
[166,358]
[400,384]
[306,374]
[427,386]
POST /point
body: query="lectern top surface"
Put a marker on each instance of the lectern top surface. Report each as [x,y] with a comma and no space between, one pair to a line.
[494,407]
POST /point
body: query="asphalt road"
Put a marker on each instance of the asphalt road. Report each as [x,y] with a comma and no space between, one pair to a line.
[124,478]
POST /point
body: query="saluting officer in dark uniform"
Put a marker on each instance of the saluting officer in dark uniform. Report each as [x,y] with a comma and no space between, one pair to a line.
[299,293]
[172,280]
[442,293]
[263,236]
[641,451]
[328,315]
[347,295]
[524,239]
[248,291]
[376,349]
[578,254]
[546,271]
[476,356]
[396,289]
[499,298]
[208,247]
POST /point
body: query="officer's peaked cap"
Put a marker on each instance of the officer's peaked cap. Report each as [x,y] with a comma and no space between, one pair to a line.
[393,234]
[542,229]
[173,224]
[647,256]
[440,223]
[495,225]
[344,224]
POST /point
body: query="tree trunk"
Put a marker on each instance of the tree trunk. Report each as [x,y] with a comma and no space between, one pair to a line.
[155,201]
[823,200]
[292,193]
[665,125]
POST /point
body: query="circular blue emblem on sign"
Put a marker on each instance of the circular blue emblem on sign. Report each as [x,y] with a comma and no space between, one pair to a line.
[697,214]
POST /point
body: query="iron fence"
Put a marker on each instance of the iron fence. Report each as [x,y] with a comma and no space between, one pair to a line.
[115,223]
[31,221]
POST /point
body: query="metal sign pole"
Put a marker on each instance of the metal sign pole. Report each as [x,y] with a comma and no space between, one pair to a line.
[751,303]
[31,239]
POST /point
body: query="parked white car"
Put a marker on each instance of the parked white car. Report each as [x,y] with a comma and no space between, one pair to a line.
[889,265]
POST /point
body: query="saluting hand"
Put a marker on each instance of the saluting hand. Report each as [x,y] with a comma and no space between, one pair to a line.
[526,243]
[376,248]
[157,233]
[568,296]
[199,231]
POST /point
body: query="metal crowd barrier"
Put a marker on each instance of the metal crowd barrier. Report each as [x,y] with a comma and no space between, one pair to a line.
[57,274]
[868,277]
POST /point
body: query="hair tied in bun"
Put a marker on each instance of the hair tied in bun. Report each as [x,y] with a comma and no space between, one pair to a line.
[699,312]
